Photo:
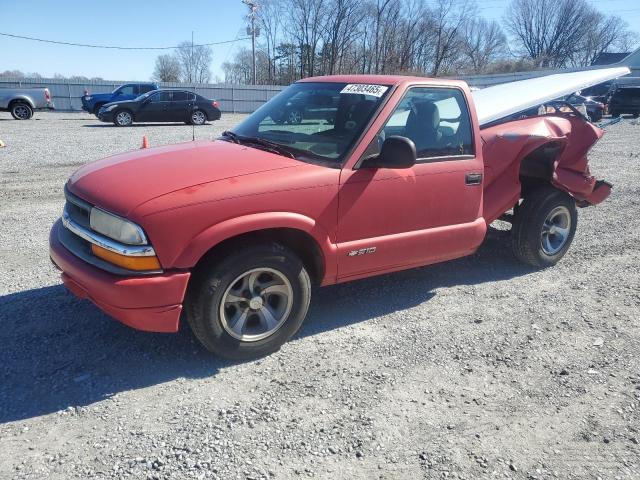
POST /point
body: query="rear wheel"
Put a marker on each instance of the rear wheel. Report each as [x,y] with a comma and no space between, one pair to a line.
[123,118]
[544,226]
[21,111]
[250,303]
[198,117]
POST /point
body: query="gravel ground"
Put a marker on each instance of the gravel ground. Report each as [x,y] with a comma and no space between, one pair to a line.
[477,368]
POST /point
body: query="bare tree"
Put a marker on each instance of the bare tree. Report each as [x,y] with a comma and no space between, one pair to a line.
[450,16]
[270,21]
[167,69]
[483,43]
[606,33]
[194,62]
[436,37]
[305,27]
[549,31]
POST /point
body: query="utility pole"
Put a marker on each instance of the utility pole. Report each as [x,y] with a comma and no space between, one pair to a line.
[251,30]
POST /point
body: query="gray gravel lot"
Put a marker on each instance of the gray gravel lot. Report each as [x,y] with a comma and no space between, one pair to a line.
[476,368]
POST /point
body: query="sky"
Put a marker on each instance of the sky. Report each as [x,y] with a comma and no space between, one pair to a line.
[162,24]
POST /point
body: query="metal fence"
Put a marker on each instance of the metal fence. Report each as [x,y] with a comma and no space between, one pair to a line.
[66,93]
[233,98]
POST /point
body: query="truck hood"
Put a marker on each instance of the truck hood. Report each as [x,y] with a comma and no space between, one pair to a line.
[122,182]
[101,96]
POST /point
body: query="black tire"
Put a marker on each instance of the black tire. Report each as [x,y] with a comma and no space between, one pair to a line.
[120,118]
[613,113]
[21,111]
[530,244]
[212,282]
[97,108]
[198,117]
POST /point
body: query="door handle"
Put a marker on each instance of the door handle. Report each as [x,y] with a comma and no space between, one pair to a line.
[473,179]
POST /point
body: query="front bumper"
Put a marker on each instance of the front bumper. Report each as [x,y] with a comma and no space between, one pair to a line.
[105,116]
[152,303]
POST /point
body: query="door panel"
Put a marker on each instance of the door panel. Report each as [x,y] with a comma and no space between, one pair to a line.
[181,107]
[412,216]
[394,218]
[155,109]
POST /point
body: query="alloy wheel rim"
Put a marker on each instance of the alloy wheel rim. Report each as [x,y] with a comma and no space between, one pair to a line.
[124,118]
[21,112]
[295,117]
[256,304]
[198,117]
[555,230]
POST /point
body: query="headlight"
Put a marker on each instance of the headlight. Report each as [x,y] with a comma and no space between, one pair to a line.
[88,97]
[116,228]
[110,107]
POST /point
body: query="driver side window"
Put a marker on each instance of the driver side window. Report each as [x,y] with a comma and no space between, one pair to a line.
[127,90]
[435,119]
[161,97]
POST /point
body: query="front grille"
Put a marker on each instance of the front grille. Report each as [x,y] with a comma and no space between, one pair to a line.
[78,209]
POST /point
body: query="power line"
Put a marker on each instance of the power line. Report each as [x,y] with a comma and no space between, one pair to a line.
[114,47]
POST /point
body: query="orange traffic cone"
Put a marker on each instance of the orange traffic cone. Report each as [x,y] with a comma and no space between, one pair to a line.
[145,142]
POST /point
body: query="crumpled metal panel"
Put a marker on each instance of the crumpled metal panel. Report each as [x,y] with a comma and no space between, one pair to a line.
[507,144]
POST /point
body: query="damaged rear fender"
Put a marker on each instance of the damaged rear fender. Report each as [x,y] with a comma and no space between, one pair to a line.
[552,149]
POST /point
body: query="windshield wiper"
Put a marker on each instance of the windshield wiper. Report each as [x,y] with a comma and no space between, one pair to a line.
[271,146]
[260,142]
[231,135]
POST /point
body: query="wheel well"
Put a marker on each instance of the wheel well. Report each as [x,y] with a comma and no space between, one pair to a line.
[298,241]
[537,167]
[19,100]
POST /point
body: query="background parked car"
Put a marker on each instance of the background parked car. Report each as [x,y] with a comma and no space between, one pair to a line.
[625,100]
[161,106]
[22,102]
[129,91]
[309,105]
[594,109]
[598,92]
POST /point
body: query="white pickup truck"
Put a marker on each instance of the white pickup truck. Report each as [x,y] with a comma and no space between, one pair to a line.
[22,102]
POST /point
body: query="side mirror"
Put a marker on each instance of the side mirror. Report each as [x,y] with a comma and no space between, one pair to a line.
[396,152]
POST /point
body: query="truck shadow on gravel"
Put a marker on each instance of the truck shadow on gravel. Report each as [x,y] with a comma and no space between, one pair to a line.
[59,352]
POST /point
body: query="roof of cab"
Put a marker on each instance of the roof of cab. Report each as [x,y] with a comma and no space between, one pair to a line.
[379,79]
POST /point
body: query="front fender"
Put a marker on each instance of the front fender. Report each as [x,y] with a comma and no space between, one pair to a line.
[195,249]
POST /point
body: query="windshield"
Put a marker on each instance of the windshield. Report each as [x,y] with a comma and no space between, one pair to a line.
[145,95]
[315,120]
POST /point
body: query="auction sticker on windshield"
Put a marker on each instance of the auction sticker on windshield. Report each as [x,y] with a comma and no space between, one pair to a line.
[364,89]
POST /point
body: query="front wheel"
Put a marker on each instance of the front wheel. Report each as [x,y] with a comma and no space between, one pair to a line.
[123,118]
[544,226]
[21,111]
[250,303]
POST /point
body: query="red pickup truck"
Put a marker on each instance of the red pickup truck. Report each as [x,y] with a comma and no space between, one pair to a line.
[396,173]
